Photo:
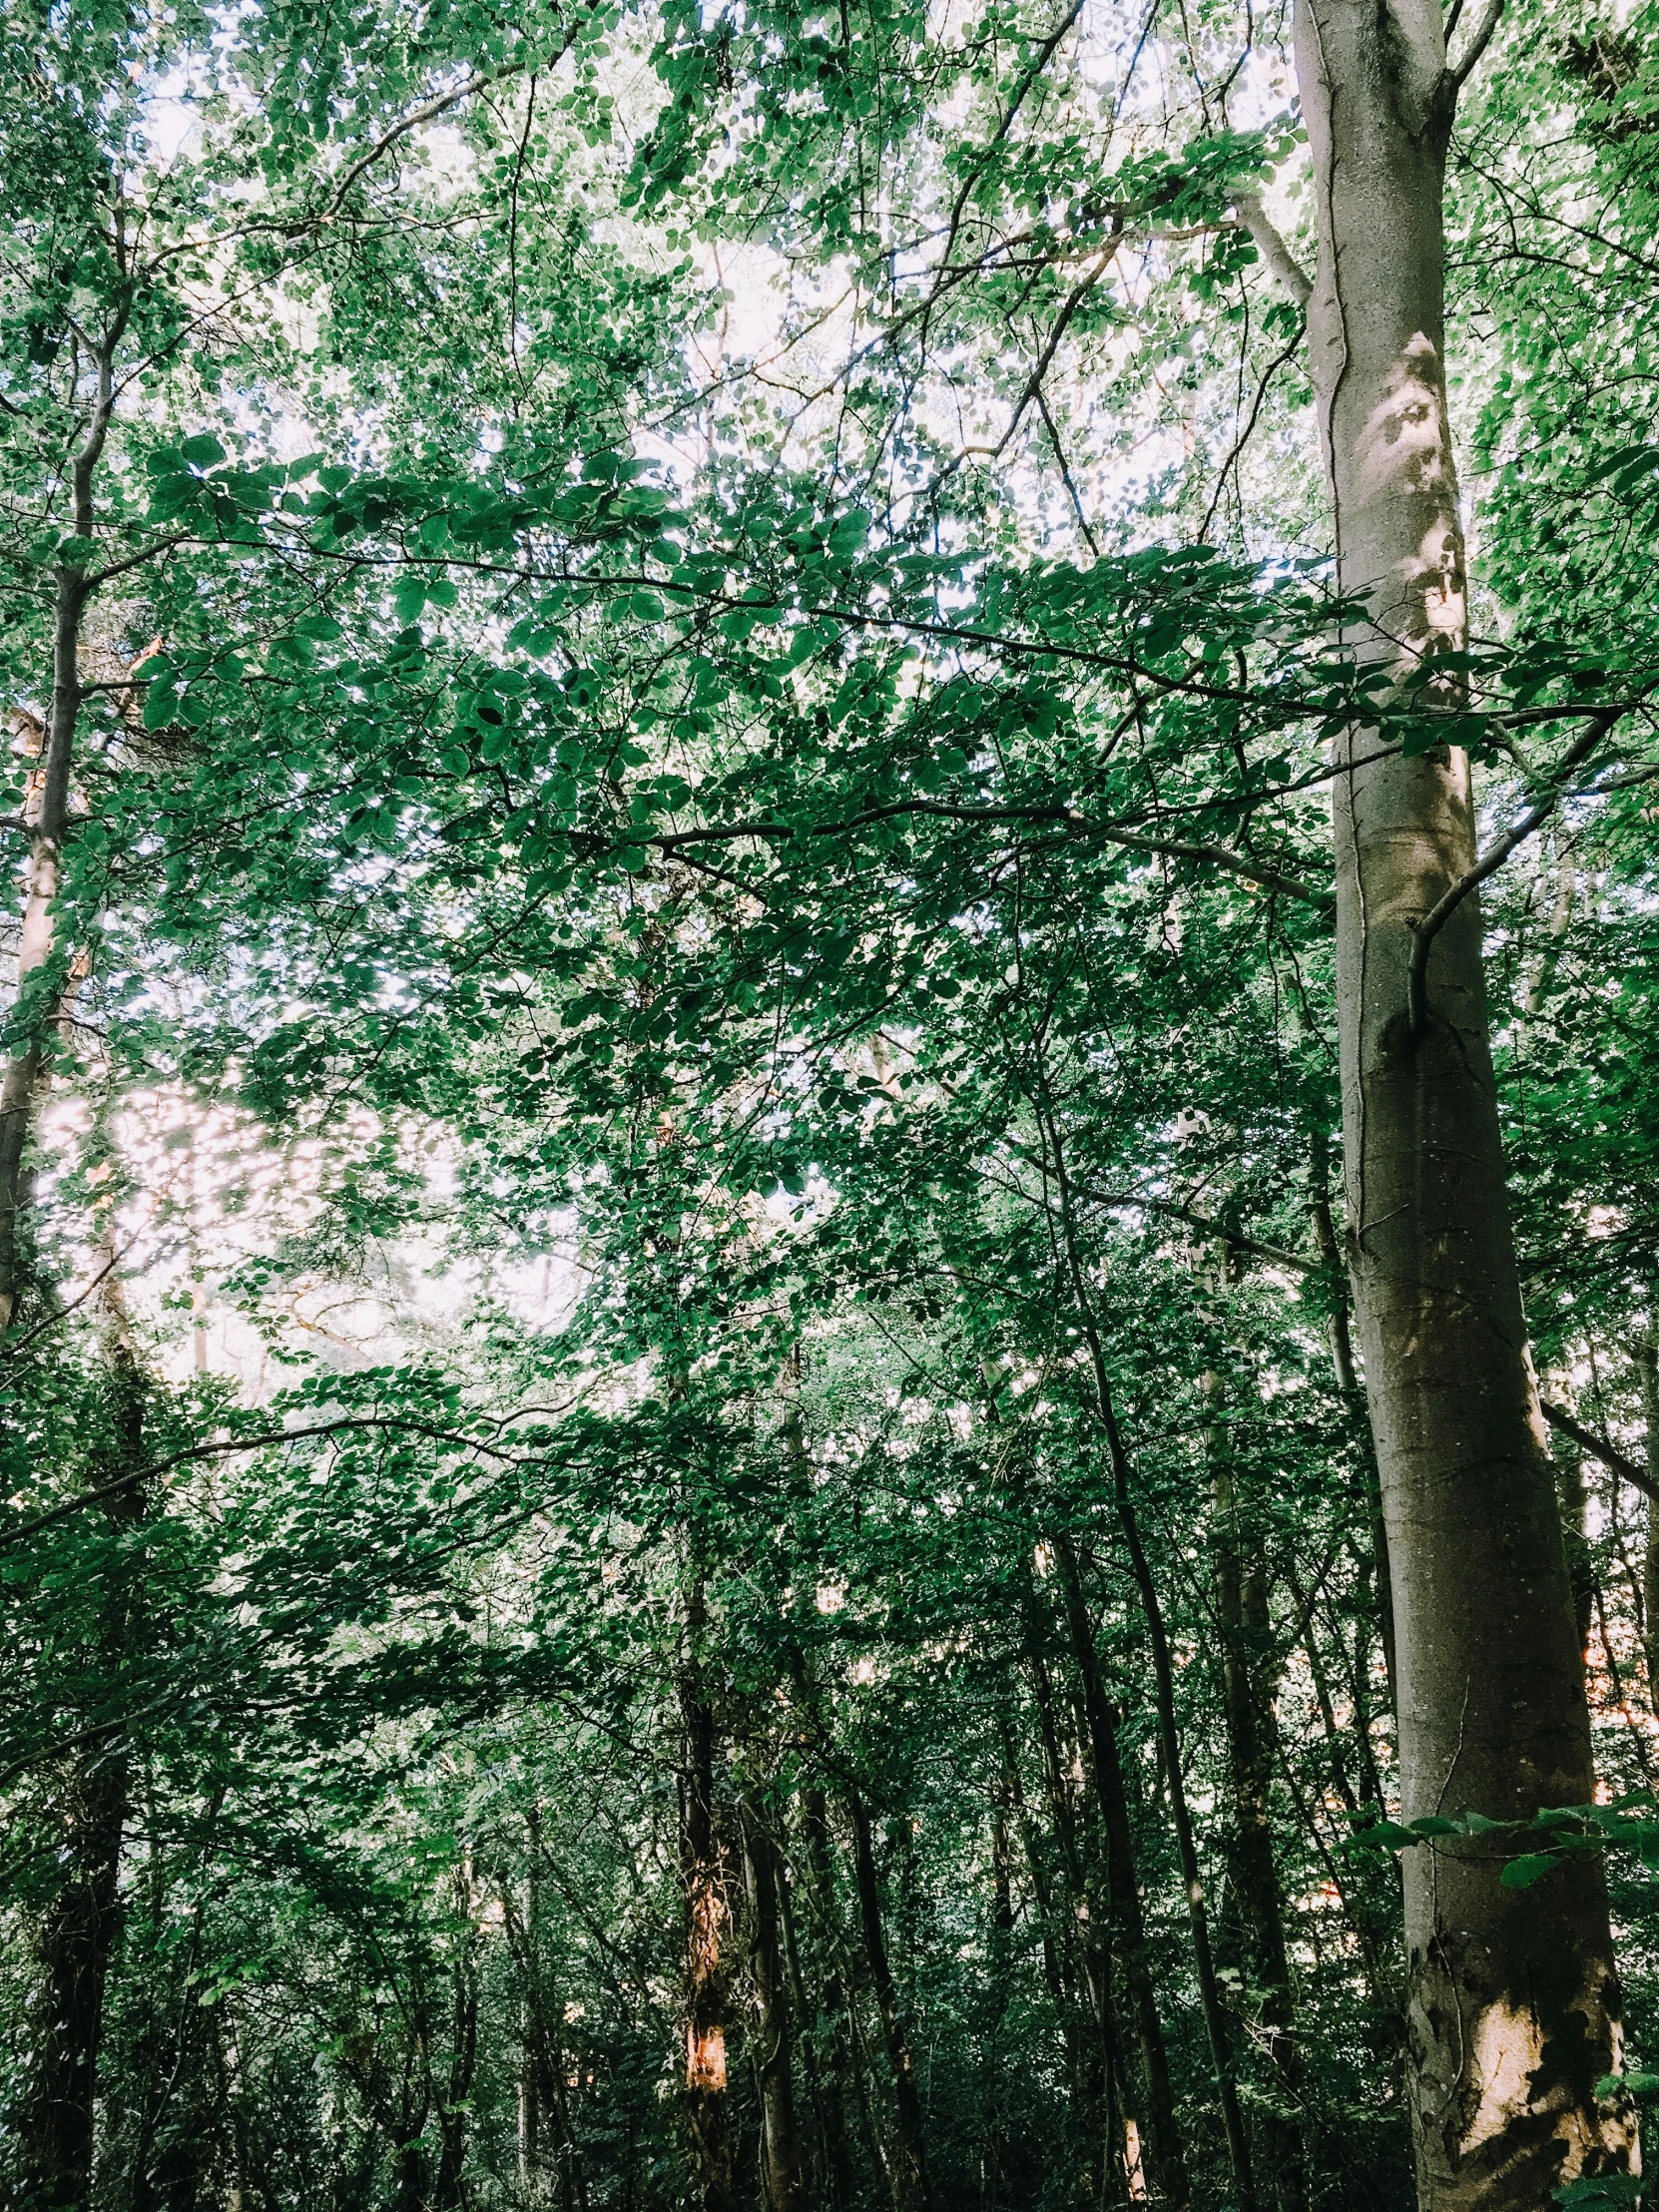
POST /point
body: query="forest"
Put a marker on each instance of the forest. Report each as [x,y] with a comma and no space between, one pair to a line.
[828,1105]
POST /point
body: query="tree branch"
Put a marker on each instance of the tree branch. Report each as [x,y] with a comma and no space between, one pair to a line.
[1280,262]
[1599,1448]
[1480,39]
[1426,930]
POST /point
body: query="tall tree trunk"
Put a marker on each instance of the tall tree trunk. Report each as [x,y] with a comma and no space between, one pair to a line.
[454,2108]
[704,2099]
[39,985]
[994,2177]
[1347,1380]
[836,2151]
[1247,1708]
[1164,2150]
[911,2190]
[1513,1997]
[530,2055]
[780,2159]
[1084,1995]
[1647,1367]
[546,2135]
[82,1923]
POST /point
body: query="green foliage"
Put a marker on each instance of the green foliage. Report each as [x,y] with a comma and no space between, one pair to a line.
[697,894]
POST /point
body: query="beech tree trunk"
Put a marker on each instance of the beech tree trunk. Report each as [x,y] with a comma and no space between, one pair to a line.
[780,2158]
[1514,2003]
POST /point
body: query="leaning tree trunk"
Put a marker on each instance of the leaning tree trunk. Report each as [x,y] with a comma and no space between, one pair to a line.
[1513,2008]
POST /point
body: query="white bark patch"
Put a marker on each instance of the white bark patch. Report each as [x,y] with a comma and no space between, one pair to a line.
[1403,445]
[1508,2051]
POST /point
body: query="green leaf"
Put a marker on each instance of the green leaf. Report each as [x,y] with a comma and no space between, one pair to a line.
[1520,1874]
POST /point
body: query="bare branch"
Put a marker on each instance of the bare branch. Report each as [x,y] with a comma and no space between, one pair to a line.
[1480,38]
[1599,1448]
[1281,263]
[1492,859]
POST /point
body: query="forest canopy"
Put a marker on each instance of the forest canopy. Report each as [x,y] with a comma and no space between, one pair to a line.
[828,1105]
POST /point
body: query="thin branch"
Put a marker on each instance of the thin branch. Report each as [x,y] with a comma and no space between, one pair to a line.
[1480,39]
[1426,930]
[1280,262]
[427,113]
[1214,855]
[225,1444]
[1248,432]
[1599,1448]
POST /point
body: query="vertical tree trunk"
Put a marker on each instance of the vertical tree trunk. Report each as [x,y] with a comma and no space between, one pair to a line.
[1647,1367]
[1242,1607]
[1347,1380]
[780,2160]
[530,2066]
[82,1923]
[994,2148]
[39,993]
[1164,2149]
[1084,1995]
[911,2190]
[547,2137]
[704,2100]
[835,2152]
[1514,1998]
[455,2108]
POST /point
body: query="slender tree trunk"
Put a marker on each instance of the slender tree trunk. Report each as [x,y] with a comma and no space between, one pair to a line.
[993,2179]
[82,1924]
[1085,1996]
[547,2136]
[1162,1677]
[780,2158]
[455,2108]
[1242,1608]
[835,2164]
[39,988]
[530,2056]
[1647,1367]
[1347,1380]
[704,2099]
[1513,1996]
[1572,1502]
[911,2190]
[1166,2153]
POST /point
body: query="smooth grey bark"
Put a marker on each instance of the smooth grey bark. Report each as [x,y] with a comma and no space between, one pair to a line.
[1513,1999]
